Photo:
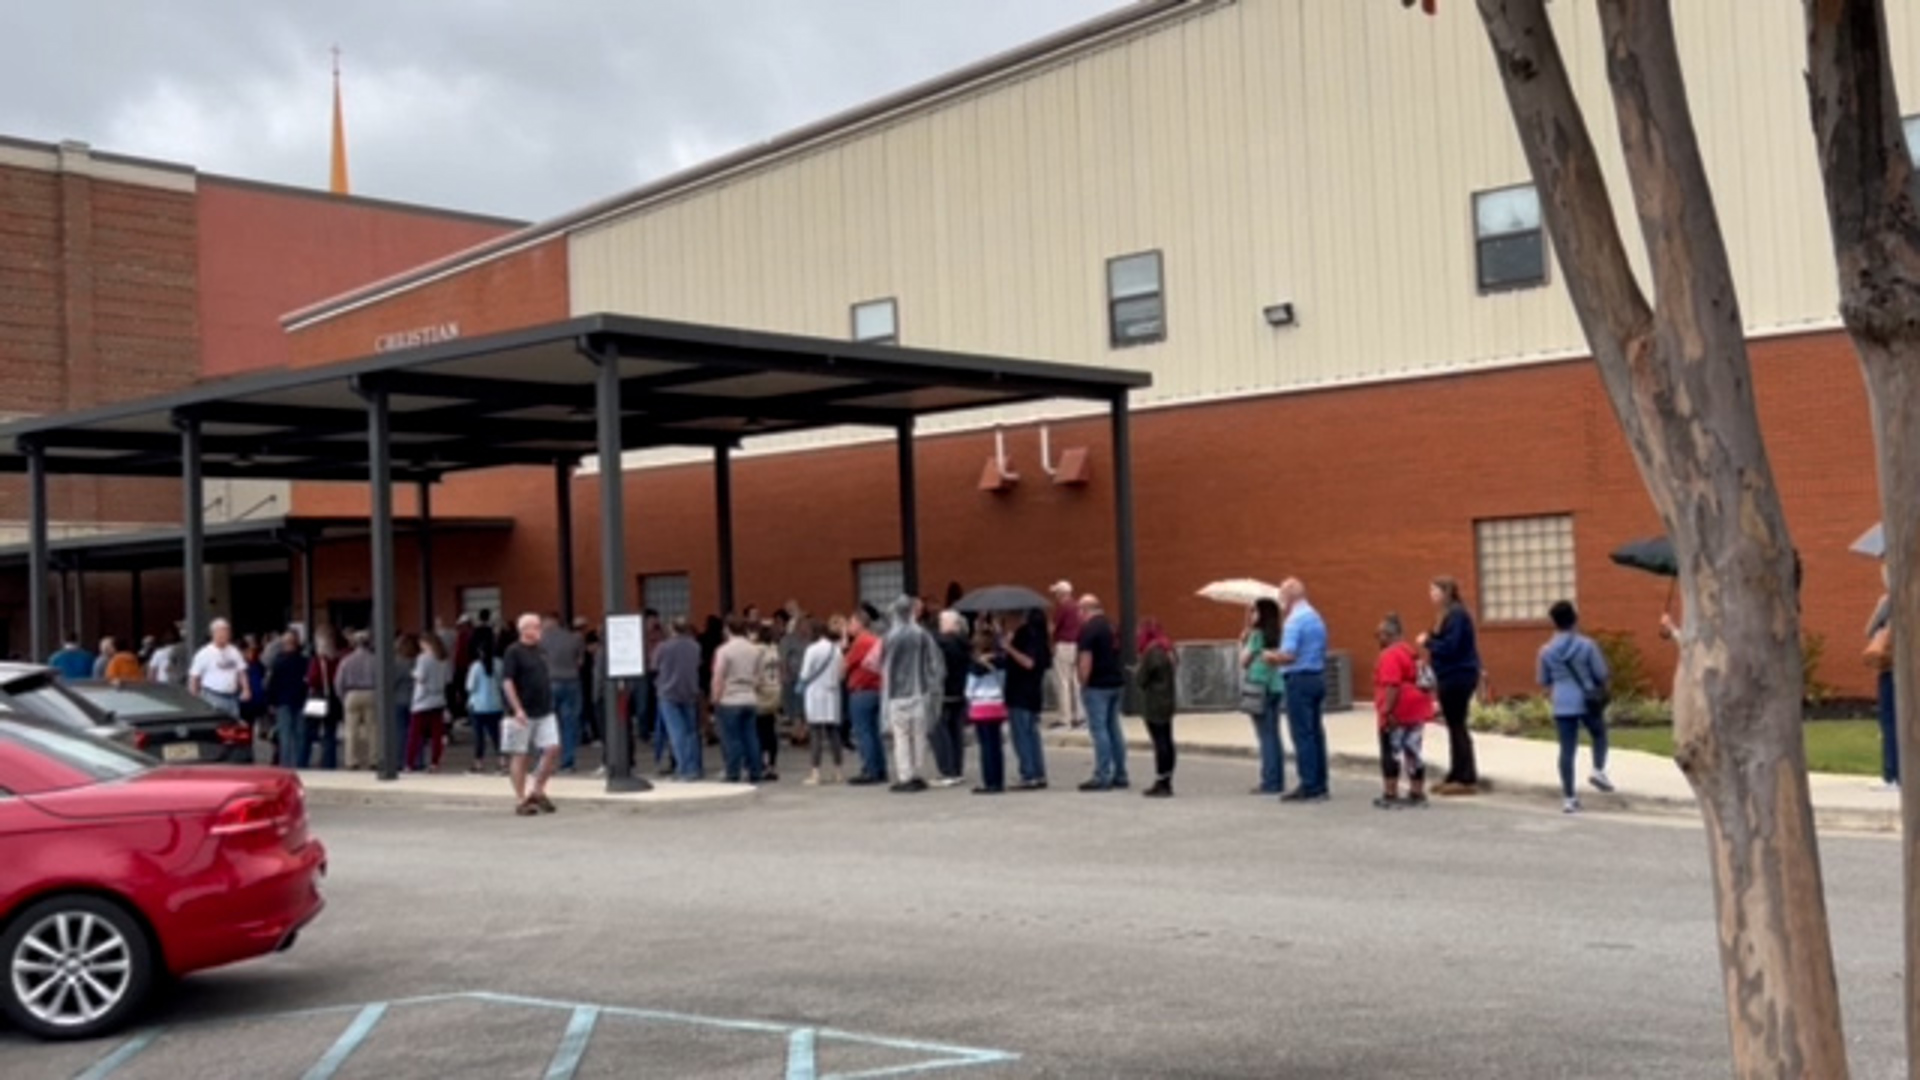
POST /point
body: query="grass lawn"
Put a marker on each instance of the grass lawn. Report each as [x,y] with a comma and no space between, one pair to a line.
[1833,746]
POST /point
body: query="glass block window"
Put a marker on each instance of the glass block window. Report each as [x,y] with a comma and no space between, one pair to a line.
[669,594]
[877,322]
[1526,566]
[1510,244]
[1136,300]
[475,599]
[880,581]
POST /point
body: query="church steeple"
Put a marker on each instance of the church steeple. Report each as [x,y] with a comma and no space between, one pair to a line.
[338,183]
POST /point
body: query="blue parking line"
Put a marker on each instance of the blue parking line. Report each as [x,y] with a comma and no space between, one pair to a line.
[105,1066]
[800,1055]
[573,1045]
[347,1043]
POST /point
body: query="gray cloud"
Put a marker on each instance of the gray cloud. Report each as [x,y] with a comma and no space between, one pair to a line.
[505,106]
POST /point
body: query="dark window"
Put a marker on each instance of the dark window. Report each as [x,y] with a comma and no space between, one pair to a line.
[877,322]
[669,594]
[1136,300]
[1911,125]
[1510,247]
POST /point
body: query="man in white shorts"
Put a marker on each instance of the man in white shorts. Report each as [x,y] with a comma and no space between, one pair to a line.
[530,722]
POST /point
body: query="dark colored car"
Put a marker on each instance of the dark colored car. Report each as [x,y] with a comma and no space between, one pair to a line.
[121,875]
[39,691]
[169,723]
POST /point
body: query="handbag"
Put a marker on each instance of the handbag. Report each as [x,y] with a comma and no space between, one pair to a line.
[1596,694]
[1424,679]
[1253,699]
[314,709]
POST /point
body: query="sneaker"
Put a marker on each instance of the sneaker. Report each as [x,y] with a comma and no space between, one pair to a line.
[1031,785]
[545,805]
[1571,806]
[1160,790]
[600,773]
[951,781]
[1121,784]
[527,809]
[813,779]
[1386,802]
[1414,802]
[1096,785]
[1601,782]
[1888,787]
[916,784]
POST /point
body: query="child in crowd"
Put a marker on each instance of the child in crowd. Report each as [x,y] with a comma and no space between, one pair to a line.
[987,709]
[1403,710]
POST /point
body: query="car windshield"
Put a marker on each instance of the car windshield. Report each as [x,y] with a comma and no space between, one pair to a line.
[128,703]
[48,700]
[96,759]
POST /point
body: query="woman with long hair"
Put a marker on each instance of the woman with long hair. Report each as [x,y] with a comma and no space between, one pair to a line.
[427,726]
[1454,653]
[1156,679]
[485,708]
[1264,692]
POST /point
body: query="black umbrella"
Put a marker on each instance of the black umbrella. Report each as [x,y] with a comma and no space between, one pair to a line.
[1000,598]
[1653,555]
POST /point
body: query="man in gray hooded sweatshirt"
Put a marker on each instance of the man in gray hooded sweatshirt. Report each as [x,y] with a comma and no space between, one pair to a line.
[912,677]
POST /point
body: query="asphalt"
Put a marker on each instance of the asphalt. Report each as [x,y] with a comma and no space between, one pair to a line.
[849,932]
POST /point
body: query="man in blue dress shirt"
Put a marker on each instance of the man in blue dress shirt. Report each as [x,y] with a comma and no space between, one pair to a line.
[1302,657]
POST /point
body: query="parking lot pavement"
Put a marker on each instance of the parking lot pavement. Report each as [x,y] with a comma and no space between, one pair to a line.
[1055,934]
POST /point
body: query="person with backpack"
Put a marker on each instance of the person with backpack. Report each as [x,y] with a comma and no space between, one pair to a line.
[1575,676]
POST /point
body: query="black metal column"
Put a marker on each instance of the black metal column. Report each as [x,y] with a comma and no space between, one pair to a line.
[723,522]
[380,543]
[139,620]
[563,514]
[613,566]
[909,511]
[1123,524]
[307,602]
[194,523]
[80,602]
[426,556]
[39,554]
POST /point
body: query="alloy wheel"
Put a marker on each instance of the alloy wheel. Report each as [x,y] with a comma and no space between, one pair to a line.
[71,968]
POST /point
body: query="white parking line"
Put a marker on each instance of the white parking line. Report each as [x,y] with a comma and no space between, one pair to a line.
[349,1041]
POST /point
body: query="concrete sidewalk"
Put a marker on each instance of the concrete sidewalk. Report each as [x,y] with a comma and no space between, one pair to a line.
[1647,783]
[487,792]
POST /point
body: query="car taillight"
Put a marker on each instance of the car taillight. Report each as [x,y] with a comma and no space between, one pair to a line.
[258,816]
[235,734]
[140,740]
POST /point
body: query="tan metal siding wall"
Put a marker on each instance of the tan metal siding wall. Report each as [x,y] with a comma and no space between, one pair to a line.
[1305,150]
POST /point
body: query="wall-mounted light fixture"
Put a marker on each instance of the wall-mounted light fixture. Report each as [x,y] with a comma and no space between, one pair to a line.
[1280,314]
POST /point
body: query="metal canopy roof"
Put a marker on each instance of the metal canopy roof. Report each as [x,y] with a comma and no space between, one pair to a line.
[228,542]
[527,397]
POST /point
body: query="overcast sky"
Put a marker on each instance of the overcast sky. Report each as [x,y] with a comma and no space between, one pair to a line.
[524,108]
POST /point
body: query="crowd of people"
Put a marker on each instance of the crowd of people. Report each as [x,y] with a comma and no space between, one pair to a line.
[891,698]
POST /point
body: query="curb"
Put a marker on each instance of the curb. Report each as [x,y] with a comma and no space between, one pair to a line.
[1826,819]
[422,799]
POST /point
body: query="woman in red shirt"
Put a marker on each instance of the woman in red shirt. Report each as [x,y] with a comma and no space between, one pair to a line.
[1403,711]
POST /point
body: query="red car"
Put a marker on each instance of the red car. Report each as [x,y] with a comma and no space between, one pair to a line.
[120,873]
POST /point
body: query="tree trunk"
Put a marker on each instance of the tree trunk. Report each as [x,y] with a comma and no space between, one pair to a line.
[1681,387]
[1872,196]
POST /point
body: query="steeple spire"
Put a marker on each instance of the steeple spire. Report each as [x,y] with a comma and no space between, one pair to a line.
[338,184]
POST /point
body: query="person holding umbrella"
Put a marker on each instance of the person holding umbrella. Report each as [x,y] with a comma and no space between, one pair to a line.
[1265,692]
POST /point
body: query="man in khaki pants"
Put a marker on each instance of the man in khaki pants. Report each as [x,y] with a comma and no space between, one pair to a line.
[1066,656]
[357,682]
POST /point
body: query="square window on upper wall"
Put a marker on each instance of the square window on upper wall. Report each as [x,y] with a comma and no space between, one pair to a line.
[1509,242]
[1136,300]
[1911,125]
[877,322]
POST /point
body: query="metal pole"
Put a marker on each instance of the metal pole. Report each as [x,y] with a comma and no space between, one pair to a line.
[909,512]
[1123,524]
[39,555]
[306,588]
[80,602]
[723,522]
[563,513]
[139,620]
[380,543]
[426,556]
[194,524]
[613,566]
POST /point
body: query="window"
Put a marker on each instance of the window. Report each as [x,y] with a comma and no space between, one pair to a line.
[880,581]
[1510,247]
[1911,125]
[478,598]
[1136,300]
[669,594]
[877,322]
[1526,565]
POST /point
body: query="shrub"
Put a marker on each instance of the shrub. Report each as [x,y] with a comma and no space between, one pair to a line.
[1626,664]
[1641,712]
[1516,716]
[1813,650]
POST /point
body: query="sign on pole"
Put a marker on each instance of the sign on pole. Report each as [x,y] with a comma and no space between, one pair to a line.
[626,647]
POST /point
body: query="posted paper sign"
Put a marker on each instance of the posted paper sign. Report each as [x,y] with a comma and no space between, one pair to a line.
[626,647]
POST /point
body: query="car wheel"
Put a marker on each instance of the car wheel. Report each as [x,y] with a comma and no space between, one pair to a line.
[76,967]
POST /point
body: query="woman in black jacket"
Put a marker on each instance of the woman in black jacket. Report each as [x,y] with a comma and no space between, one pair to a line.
[1454,654]
[950,730]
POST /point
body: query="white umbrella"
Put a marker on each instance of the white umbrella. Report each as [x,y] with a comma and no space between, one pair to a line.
[1872,543]
[1240,591]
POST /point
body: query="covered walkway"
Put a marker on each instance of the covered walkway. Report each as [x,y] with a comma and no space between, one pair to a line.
[594,386]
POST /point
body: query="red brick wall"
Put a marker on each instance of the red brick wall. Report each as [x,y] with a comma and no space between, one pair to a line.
[266,251]
[1365,492]
[97,286]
